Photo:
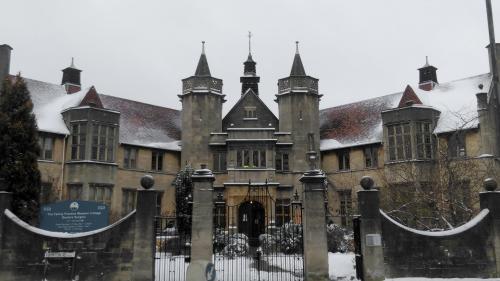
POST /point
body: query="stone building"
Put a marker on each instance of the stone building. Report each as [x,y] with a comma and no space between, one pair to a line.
[96,146]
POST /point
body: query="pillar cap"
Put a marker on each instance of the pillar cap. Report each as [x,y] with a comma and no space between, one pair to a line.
[203,175]
[367,182]
[490,184]
[147,182]
[313,176]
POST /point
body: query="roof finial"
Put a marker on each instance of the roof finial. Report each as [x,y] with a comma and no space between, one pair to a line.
[202,47]
[72,62]
[249,42]
[296,47]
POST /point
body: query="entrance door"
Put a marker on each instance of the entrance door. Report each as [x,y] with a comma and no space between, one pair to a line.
[251,221]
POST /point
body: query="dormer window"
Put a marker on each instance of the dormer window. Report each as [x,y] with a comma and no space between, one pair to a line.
[250,112]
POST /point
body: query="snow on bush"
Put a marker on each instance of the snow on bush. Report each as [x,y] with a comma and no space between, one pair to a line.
[236,245]
[339,239]
[290,238]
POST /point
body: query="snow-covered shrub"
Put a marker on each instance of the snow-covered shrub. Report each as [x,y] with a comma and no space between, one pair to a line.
[268,243]
[236,245]
[290,238]
[220,240]
[339,239]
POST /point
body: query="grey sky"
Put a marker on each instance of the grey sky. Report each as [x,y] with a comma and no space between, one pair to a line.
[142,49]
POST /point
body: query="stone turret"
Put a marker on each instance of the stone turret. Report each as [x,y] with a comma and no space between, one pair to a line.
[249,80]
[298,104]
[202,101]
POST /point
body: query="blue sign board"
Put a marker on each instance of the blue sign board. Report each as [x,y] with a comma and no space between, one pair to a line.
[74,216]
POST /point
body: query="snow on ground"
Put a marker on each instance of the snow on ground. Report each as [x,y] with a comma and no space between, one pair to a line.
[341,268]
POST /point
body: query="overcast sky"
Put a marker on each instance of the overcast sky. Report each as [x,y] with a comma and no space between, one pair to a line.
[141,50]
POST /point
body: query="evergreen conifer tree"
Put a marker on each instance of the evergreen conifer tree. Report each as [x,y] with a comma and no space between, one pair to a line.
[19,149]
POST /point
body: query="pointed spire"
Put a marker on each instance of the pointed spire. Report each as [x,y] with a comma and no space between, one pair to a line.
[72,62]
[297,67]
[249,80]
[249,44]
[426,61]
[202,69]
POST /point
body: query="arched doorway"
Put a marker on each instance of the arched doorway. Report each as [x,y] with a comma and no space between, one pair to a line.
[251,221]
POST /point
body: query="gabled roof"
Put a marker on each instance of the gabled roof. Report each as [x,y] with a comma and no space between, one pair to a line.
[409,98]
[360,123]
[92,99]
[249,93]
[140,124]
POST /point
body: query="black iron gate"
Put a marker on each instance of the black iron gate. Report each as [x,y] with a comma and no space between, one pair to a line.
[258,239]
[173,248]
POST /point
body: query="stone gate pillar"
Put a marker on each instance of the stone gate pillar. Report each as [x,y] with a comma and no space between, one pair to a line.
[371,231]
[202,226]
[315,246]
[490,199]
[143,261]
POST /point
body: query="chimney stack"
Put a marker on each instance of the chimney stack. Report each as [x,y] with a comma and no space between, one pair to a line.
[5,51]
[428,76]
[71,78]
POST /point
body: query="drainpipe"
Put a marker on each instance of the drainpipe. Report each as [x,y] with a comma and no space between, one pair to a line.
[62,167]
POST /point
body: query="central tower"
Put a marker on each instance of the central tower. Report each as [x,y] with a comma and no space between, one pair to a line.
[202,101]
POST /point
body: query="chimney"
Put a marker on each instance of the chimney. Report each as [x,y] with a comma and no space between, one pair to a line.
[428,76]
[71,78]
[496,63]
[4,61]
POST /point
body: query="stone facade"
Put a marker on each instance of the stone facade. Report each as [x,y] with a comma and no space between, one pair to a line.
[250,143]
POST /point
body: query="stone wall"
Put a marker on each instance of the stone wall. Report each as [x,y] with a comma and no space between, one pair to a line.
[465,252]
[392,250]
[122,251]
[106,255]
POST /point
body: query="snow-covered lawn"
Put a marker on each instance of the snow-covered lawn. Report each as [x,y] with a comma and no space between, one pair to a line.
[341,267]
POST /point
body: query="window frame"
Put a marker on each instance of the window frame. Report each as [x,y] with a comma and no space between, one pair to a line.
[457,145]
[220,161]
[371,156]
[127,204]
[399,143]
[78,140]
[130,162]
[282,161]
[157,158]
[102,142]
[282,211]
[100,193]
[251,158]
[344,159]
[345,206]
[44,151]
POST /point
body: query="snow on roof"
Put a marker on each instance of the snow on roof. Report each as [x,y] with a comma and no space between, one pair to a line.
[354,124]
[360,123]
[140,124]
[146,125]
[457,102]
[49,100]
